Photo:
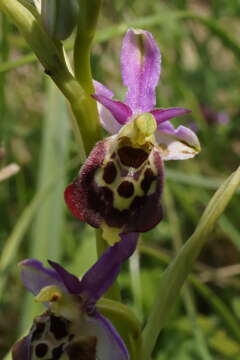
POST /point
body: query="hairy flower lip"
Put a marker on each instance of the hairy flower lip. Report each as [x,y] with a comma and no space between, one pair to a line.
[95,197]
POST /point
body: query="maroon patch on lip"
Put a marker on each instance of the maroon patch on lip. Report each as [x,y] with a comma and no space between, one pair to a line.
[146,183]
[147,210]
[59,327]
[78,195]
[22,349]
[126,189]
[41,350]
[109,173]
[83,348]
[132,157]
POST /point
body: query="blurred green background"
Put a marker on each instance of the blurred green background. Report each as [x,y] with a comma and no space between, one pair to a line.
[200,46]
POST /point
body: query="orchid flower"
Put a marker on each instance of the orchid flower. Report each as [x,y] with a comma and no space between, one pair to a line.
[119,187]
[72,328]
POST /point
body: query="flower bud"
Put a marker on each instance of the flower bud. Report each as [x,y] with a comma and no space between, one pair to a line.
[59,17]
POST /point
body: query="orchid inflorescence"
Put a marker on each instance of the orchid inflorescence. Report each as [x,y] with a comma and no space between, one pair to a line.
[118,189]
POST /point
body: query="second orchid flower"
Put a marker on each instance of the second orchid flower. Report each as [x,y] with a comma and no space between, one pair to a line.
[72,327]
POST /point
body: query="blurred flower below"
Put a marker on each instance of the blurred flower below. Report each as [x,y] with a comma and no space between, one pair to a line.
[72,328]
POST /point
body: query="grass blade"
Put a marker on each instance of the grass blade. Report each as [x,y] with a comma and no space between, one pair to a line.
[175,275]
[47,228]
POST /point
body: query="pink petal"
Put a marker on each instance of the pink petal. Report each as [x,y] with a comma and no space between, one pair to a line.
[177,144]
[119,110]
[162,115]
[140,63]
[101,89]
[107,120]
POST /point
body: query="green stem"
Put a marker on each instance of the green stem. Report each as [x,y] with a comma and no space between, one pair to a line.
[135,275]
[4,57]
[52,58]
[88,16]
[126,323]
[87,22]
[150,21]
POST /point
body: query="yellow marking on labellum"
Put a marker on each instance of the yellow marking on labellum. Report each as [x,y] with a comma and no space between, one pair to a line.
[121,203]
[98,177]
[110,234]
[152,188]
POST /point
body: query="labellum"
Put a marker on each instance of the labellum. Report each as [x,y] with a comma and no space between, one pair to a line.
[119,187]
[53,337]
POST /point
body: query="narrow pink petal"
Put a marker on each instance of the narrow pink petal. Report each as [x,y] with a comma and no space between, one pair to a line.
[141,65]
[79,195]
[110,345]
[107,120]
[101,89]
[162,115]
[119,110]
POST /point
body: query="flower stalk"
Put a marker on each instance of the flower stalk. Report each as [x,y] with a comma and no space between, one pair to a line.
[52,58]
[86,27]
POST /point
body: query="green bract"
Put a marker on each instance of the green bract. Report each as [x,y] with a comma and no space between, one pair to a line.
[59,17]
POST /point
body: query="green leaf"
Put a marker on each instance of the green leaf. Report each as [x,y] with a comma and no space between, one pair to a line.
[177,272]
